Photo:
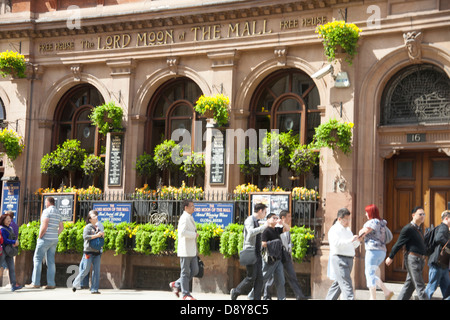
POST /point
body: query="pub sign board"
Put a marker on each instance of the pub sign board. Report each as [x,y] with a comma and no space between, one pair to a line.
[65,202]
[115,212]
[219,213]
[115,160]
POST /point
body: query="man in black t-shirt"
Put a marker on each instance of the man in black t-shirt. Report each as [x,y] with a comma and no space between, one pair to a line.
[271,241]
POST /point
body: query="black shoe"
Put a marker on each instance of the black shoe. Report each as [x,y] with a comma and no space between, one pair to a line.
[233,294]
[74,289]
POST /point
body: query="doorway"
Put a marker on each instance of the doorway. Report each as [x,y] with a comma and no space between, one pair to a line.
[414,179]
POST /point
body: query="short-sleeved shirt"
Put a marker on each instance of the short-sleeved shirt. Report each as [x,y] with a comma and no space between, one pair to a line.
[53,224]
[375,240]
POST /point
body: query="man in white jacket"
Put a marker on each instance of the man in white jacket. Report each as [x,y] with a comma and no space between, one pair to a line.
[187,251]
[342,250]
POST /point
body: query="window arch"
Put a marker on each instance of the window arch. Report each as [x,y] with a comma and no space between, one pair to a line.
[72,118]
[71,121]
[286,100]
[416,94]
[172,108]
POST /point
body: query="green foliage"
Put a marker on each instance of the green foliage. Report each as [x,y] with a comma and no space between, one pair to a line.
[163,155]
[50,165]
[70,155]
[287,143]
[28,234]
[145,165]
[194,165]
[334,134]
[12,143]
[249,164]
[107,117]
[206,233]
[301,238]
[92,166]
[303,159]
[12,63]
[232,240]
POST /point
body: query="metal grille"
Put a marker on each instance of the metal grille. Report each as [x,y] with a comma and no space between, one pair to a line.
[417,94]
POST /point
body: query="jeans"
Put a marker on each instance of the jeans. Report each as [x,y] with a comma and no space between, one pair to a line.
[414,279]
[277,271]
[9,263]
[44,248]
[189,269]
[85,267]
[372,261]
[437,277]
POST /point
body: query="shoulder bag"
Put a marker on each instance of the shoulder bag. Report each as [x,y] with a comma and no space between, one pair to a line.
[247,256]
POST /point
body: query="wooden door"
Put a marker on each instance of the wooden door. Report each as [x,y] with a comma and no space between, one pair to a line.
[414,179]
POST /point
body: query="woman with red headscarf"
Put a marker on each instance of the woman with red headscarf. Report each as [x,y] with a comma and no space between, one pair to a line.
[373,232]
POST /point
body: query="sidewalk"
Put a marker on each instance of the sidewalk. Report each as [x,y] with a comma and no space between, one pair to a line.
[129,294]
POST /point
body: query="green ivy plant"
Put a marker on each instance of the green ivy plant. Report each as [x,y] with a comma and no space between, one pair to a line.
[301,238]
[107,117]
[287,142]
[334,134]
[28,234]
[232,240]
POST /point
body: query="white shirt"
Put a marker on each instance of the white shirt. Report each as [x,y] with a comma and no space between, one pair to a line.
[340,239]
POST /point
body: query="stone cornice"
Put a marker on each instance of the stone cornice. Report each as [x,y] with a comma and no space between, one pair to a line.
[40,28]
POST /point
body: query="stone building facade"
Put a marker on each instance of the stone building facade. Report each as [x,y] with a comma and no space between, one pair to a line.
[154,58]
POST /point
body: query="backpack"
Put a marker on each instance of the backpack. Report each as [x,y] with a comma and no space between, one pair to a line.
[429,240]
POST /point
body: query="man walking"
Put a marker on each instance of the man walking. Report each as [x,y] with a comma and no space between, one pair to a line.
[252,238]
[342,250]
[186,250]
[51,227]
[411,236]
[438,271]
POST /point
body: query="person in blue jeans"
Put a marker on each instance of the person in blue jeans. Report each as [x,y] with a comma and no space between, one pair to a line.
[91,256]
[9,238]
[51,227]
[438,272]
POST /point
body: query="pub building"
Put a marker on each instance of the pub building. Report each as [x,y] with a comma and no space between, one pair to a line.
[155,60]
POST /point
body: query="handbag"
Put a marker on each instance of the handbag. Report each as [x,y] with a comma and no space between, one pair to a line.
[444,256]
[388,236]
[11,251]
[97,243]
[247,256]
[201,268]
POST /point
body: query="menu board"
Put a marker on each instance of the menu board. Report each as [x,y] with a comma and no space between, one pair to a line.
[219,213]
[275,201]
[217,169]
[115,160]
[64,202]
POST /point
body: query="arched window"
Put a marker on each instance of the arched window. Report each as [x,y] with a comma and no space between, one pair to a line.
[172,108]
[287,100]
[416,94]
[72,121]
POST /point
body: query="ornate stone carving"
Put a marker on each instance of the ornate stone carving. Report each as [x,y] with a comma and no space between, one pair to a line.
[76,71]
[172,63]
[413,43]
[280,54]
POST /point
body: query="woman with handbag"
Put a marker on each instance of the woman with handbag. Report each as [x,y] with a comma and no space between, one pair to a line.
[374,232]
[91,254]
[10,249]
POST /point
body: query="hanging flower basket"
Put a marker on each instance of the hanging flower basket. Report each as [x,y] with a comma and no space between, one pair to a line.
[334,135]
[215,107]
[107,117]
[339,37]
[11,144]
[13,64]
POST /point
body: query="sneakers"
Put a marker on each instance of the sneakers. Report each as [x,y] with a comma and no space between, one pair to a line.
[16,287]
[188,297]
[174,289]
[233,294]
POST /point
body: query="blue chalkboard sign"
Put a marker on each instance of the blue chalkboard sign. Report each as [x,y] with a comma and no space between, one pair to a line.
[116,212]
[10,197]
[219,213]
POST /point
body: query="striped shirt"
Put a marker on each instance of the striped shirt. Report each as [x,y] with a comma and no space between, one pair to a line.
[54,217]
